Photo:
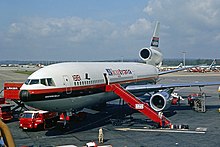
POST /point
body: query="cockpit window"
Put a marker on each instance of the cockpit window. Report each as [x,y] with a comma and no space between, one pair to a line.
[31,81]
[27,81]
[43,81]
[34,81]
[46,81]
[50,82]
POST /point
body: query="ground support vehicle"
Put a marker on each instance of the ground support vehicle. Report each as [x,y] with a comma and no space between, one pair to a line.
[38,119]
[6,112]
[11,92]
[197,101]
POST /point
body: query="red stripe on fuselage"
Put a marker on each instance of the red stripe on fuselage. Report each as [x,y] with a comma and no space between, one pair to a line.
[75,88]
[63,89]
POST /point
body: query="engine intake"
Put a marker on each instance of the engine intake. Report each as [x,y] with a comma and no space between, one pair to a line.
[160,101]
[145,53]
[151,56]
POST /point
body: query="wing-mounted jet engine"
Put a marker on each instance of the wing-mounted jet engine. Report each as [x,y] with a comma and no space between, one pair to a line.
[161,100]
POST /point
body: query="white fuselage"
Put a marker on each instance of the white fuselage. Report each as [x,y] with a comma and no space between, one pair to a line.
[72,86]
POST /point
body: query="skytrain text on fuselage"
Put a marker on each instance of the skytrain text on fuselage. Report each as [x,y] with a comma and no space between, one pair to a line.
[118,72]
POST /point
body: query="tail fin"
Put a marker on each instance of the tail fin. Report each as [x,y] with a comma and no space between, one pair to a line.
[155,39]
[212,64]
[153,55]
[180,65]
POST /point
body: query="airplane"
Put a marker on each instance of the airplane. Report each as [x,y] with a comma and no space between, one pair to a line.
[204,68]
[71,86]
[164,68]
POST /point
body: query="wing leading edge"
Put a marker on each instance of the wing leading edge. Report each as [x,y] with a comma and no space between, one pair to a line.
[156,87]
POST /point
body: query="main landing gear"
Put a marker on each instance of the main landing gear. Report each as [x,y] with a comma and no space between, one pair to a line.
[66,118]
[63,122]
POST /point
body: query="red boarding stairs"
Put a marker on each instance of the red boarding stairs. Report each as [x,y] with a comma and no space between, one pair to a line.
[137,104]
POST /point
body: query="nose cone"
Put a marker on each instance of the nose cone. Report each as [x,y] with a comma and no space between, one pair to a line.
[24,95]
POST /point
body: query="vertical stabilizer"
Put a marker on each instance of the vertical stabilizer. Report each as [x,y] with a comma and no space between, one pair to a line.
[153,55]
[212,64]
[155,39]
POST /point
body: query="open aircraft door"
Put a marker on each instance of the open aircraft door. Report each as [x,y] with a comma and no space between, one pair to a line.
[67,83]
[106,78]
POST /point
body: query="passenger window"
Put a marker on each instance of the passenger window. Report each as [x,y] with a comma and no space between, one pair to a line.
[43,81]
[50,82]
[34,81]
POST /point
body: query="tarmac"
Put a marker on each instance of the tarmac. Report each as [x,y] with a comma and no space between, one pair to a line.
[124,127]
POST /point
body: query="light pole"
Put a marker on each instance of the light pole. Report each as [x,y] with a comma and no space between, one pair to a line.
[122,58]
[184,58]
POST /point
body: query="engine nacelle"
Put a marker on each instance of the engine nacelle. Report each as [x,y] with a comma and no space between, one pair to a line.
[160,101]
[151,56]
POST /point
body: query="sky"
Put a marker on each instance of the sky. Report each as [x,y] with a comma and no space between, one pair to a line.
[87,30]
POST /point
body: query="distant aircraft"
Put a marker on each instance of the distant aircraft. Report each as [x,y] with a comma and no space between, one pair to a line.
[164,68]
[204,68]
[72,86]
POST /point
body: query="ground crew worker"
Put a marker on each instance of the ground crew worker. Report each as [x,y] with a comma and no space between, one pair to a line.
[219,91]
[101,135]
[160,114]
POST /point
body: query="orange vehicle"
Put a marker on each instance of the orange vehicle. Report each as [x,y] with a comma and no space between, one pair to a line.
[5,112]
[38,119]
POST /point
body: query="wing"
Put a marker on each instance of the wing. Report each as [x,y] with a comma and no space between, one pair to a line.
[176,70]
[171,71]
[156,87]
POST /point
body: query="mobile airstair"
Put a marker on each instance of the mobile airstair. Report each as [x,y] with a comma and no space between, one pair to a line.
[137,104]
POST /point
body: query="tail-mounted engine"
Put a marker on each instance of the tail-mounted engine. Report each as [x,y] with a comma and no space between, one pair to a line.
[161,100]
[151,56]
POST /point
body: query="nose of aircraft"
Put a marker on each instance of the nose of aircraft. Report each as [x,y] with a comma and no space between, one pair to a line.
[24,95]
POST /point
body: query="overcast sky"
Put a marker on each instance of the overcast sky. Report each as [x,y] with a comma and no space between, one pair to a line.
[106,29]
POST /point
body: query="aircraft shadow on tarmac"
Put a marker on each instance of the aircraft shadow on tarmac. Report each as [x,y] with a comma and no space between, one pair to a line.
[115,114]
